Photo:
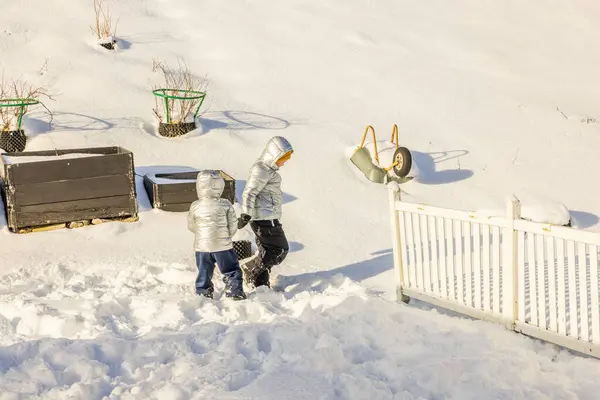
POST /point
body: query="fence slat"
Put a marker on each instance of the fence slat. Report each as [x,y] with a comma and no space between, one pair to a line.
[571,266]
[594,289]
[562,299]
[583,292]
[533,281]
[396,227]
[541,285]
[510,262]
[451,251]
[443,267]
[403,247]
[487,269]
[426,259]
[496,268]
[459,262]
[521,260]
[419,251]
[550,258]
[468,265]
[477,264]
[434,255]
[410,238]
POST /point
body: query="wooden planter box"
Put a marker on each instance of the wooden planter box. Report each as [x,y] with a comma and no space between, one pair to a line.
[177,191]
[41,188]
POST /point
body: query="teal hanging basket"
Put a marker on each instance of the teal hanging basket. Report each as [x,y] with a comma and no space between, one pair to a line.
[172,128]
[13,139]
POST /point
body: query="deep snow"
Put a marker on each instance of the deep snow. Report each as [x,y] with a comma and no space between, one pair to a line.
[136,330]
[492,98]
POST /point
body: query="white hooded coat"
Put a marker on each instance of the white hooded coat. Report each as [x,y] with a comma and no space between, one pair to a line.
[211,218]
[262,197]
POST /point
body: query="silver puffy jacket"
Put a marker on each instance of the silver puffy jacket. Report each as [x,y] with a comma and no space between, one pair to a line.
[262,197]
[211,218]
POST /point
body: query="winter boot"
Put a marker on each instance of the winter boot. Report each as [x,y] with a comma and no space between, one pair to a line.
[252,269]
[236,296]
[234,289]
[263,279]
[206,292]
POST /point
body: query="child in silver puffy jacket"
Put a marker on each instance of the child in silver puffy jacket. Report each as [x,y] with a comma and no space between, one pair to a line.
[213,222]
[261,206]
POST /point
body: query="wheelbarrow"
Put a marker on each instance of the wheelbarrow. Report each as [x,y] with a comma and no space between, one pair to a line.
[397,171]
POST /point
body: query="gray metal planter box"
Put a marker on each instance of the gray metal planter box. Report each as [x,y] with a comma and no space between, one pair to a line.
[87,185]
[176,191]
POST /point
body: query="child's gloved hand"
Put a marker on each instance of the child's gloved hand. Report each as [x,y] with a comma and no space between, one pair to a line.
[243,220]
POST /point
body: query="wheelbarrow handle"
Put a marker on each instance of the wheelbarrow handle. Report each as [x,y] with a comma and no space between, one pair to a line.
[394,139]
[362,143]
[395,135]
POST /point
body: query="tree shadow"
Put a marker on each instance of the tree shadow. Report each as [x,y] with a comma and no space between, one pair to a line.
[582,219]
[146,38]
[65,121]
[358,272]
[35,126]
[123,44]
[295,246]
[428,172]
[240,121]
[231,120]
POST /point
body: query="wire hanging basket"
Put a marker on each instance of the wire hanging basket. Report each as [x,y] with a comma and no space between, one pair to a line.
[14,140]
[173,129]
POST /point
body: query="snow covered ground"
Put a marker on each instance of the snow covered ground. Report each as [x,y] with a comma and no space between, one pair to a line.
[137,331]
[493,98]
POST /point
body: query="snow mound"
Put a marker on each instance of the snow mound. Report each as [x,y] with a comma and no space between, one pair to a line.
[544,212]
[549,213]
[138,331]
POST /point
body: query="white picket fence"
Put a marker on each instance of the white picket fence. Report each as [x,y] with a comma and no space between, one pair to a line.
[538,279]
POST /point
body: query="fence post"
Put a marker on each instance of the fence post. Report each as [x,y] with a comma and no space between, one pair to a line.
[510,264]
[394,196]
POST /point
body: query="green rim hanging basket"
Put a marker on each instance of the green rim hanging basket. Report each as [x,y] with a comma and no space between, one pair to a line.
[14,140]
[174,129]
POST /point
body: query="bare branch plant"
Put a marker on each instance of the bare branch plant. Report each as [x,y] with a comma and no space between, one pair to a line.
[103,23]
[19,90]
[178,81]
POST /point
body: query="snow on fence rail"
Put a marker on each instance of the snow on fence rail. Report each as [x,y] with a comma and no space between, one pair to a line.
[538,279]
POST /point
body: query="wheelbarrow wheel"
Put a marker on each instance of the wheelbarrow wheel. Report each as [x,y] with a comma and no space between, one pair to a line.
[403,160]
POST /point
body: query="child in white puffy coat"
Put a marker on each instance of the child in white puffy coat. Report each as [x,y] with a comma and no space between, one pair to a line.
[213,222]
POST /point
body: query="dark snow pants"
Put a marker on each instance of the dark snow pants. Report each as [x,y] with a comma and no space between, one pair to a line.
[230,269]
[272,246]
